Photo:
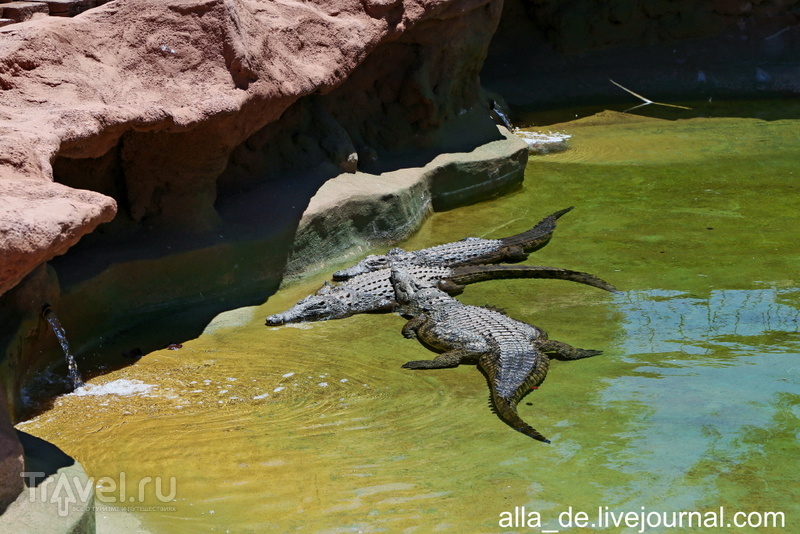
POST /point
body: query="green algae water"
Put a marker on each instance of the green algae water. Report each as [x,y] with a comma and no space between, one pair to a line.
[694,406]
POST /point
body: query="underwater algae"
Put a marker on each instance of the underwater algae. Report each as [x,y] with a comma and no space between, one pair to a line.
[693,405]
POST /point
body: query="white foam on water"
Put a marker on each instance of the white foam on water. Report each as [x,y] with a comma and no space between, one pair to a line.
[542,143]
[122,387]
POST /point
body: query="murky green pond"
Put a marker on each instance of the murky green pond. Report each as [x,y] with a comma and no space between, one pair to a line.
[693,407]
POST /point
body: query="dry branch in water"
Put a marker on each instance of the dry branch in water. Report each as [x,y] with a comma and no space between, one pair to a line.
[646,100]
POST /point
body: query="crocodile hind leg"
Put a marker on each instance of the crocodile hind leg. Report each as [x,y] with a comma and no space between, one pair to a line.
[565,351]
[514,253]
[446,359]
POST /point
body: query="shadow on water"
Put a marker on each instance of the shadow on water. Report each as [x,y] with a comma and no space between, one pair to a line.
[42,459]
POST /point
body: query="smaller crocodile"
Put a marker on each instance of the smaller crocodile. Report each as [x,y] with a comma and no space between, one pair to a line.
[373,291]
[468,251]
[511,353]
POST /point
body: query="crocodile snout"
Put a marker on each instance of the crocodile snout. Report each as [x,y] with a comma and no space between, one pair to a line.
[276,320]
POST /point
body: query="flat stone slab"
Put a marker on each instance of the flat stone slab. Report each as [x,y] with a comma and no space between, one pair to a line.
[356,211]
[62,499]
[69,8]
[22,11]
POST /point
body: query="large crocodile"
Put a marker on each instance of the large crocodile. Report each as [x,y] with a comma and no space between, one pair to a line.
[373,291]
[510,352]
[468,251]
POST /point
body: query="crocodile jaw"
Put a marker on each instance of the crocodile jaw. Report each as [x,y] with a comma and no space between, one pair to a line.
[312,308]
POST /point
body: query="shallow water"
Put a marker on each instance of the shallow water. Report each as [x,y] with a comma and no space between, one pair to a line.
[694,405]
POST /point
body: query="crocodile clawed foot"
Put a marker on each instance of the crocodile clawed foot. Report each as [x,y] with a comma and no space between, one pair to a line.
[563,350]
[417,364]
[450,287]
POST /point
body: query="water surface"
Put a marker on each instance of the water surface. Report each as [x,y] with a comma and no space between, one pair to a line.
[694,405]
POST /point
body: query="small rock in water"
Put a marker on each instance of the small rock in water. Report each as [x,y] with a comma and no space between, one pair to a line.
[543,143]
[135,352]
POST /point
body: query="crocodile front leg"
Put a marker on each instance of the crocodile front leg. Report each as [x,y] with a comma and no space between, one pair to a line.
[565,351]
[410,328]
[450,287]
[447,359]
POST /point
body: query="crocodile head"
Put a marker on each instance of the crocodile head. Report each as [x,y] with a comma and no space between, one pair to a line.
[415,295]
[313,308]
[373,263]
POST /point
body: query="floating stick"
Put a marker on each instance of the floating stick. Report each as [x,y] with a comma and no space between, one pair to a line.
[646,100]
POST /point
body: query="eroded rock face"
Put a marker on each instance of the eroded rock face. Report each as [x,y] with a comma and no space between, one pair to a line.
[41,219]
[156,96]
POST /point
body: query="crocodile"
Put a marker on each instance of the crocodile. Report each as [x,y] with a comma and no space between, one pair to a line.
[373,291]
[511,353]
[468,251]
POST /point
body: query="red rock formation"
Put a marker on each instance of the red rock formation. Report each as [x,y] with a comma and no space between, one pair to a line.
[171,88]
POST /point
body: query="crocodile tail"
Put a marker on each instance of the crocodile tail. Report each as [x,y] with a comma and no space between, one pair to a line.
[505,400]
[469,274]
[507,410]
[538,236]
